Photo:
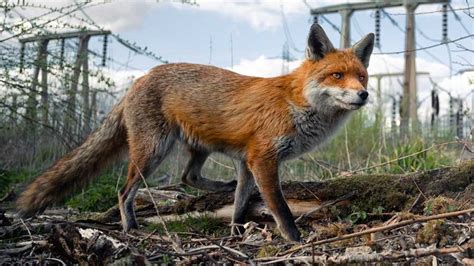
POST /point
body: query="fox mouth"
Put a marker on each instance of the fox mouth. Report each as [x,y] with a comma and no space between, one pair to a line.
[357,104]
[351,105]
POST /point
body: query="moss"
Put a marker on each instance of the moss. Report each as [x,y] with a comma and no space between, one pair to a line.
[267,251]
[452,179]
[439,205]
[406,215]
[389,191]
[434,232]
[330,230]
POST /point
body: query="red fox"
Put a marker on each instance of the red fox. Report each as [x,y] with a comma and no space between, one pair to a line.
[258,121]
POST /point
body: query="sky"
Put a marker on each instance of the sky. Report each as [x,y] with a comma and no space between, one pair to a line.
[247,36]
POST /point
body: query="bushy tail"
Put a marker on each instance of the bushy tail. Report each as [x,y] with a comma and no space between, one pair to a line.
[77,168]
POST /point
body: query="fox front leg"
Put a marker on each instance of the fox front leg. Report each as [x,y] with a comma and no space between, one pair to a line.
[265,171]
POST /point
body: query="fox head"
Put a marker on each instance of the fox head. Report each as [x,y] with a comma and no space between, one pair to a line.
[336,78]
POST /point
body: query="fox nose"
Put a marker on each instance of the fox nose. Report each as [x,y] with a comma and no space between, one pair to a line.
[363,94]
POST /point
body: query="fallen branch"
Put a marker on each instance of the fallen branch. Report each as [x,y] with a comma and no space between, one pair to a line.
[377,229]
[392,192]
[325,205]
[372,257]
[23,246]
[231,250]
[40,260]
[12,251]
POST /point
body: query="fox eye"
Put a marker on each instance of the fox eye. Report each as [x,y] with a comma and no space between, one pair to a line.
[361,78]
[337,75]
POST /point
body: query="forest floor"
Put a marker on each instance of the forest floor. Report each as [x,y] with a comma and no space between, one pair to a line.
[420,225]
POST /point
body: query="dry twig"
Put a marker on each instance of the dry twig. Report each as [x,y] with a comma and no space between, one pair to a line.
[231,250]
[377,229]
[175,239]
[372,257]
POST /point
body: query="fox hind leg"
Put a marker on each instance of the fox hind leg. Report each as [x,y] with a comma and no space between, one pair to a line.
[126,198]
[143,162]
[192,174]
[245,186]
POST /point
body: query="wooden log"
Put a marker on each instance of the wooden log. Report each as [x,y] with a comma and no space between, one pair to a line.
[370,191]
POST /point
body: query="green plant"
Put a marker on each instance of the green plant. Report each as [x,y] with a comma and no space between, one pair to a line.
[10,178]
[416,155]
[355,217]
[378,210]
[100,195]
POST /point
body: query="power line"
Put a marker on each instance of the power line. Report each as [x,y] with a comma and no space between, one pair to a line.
[458,19]
[286,30]
[334,26]
[68,44]
[395,23]
[45,23]
[126,65]
[51,11]
[132,46]
[430,46]
[430,12]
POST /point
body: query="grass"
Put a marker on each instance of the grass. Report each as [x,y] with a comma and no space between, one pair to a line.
[421,160]
[100,195]
[9,178]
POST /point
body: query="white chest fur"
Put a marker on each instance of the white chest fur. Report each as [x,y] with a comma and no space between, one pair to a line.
[312,128]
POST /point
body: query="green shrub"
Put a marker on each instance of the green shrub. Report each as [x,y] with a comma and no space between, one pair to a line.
[100,195]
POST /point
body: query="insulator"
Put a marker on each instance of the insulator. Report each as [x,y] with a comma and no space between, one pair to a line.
[433,94]
[61,55]
[104,50]
[459,119]
[22,56]
[445,23]
[377,28]
[315,19]
[400,100]
[451,112]
[394,109]
[394,114]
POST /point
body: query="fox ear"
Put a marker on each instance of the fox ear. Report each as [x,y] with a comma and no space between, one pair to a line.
[318,43]
[363,49]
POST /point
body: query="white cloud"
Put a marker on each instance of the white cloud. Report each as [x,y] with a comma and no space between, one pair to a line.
[113,15]
[121,15]
[261,14]
[262,67]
